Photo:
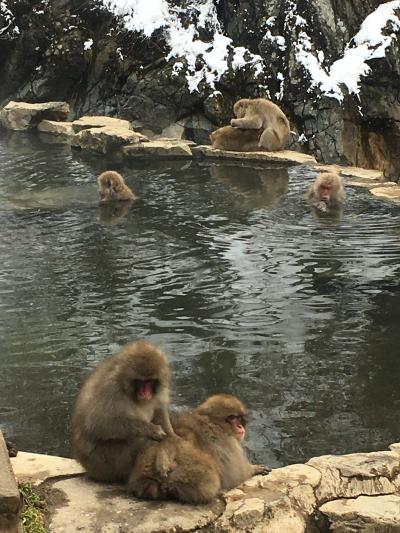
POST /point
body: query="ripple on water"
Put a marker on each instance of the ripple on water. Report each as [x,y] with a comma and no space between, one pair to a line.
[222,265]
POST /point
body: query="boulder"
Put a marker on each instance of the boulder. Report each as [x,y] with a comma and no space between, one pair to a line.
[23,116]
[105,139]
[373,514]
[35,468]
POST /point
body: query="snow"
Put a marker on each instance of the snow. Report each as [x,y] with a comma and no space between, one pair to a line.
[369,43]
[146,16]
[87,45]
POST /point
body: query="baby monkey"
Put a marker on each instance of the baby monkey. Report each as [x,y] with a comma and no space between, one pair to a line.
[113,187]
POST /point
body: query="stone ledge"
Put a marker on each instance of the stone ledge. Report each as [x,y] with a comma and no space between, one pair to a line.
[284,156]
[366,513]
[9,493]
[99,121]
[159,148]
[285,501]
[387,191]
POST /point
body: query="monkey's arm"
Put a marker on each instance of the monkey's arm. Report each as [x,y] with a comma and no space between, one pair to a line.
[127,427]
[251,123]
[161,417]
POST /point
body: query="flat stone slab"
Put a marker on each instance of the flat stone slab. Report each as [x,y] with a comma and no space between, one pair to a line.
[23,115]
[365,514]
[56,128]
[387,192]
[36,468]
[283,156]
[368,184]
[105,139]
[83,505]
[88,122]
[159,148]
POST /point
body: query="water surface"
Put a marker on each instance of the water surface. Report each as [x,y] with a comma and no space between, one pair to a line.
[224,267]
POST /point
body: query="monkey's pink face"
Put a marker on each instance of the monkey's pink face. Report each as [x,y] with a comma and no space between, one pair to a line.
[144,390]
[326,191]
[238,424]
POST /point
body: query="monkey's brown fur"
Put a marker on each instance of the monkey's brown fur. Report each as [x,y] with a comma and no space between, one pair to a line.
[260,113]
[236,139]
[110,424]
[334,194]
[113,187]
[206,458]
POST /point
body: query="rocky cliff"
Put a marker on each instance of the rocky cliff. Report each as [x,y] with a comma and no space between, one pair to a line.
[176,66]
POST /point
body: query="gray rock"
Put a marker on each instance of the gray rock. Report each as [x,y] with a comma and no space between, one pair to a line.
[23,115]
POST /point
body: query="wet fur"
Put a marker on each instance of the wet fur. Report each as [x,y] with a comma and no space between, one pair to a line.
[112,187]
[338,193]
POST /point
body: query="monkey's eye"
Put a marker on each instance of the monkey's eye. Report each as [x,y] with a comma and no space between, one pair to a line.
[240,418]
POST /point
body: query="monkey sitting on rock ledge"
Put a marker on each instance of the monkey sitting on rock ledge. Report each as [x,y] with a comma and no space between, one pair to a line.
[259,125]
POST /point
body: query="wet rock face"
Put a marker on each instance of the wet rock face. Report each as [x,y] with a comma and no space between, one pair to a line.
[81,53]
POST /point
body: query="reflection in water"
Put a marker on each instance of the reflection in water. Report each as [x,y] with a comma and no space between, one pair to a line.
[255,186]
[112,212]
[246,291]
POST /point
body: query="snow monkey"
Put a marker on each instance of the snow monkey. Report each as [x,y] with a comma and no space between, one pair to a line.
[327,192]
[118,409]
[262,113]
[236,139]
[206,458]
[113,187]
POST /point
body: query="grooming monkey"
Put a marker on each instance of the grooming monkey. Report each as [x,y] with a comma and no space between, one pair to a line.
[260,113]
[121,408]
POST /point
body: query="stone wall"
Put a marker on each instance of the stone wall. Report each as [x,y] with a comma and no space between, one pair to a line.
[127,74]
[350,493]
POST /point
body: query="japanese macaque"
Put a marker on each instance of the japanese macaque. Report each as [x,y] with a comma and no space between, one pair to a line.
[236,139]
[113,187]
[206,458]
[261,113]
[120,409]
[327,192]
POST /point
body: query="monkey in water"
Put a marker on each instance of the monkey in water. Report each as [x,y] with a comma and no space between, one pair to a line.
[113,187]
[121,408]
[206,458]
[236,139]
[327,193]
[260,113]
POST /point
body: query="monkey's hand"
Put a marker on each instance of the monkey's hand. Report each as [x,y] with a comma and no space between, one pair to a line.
[233,122]
[322,207]
[262,470]
[158,433]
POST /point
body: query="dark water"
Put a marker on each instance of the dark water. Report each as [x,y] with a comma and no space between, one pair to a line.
[227,270]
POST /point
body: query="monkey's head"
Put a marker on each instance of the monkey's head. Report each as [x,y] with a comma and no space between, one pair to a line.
[329,188]
[112,187]
[240,107]
[228,412]
[144,372]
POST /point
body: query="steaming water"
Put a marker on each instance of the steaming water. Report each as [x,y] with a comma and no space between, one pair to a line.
[225,268]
